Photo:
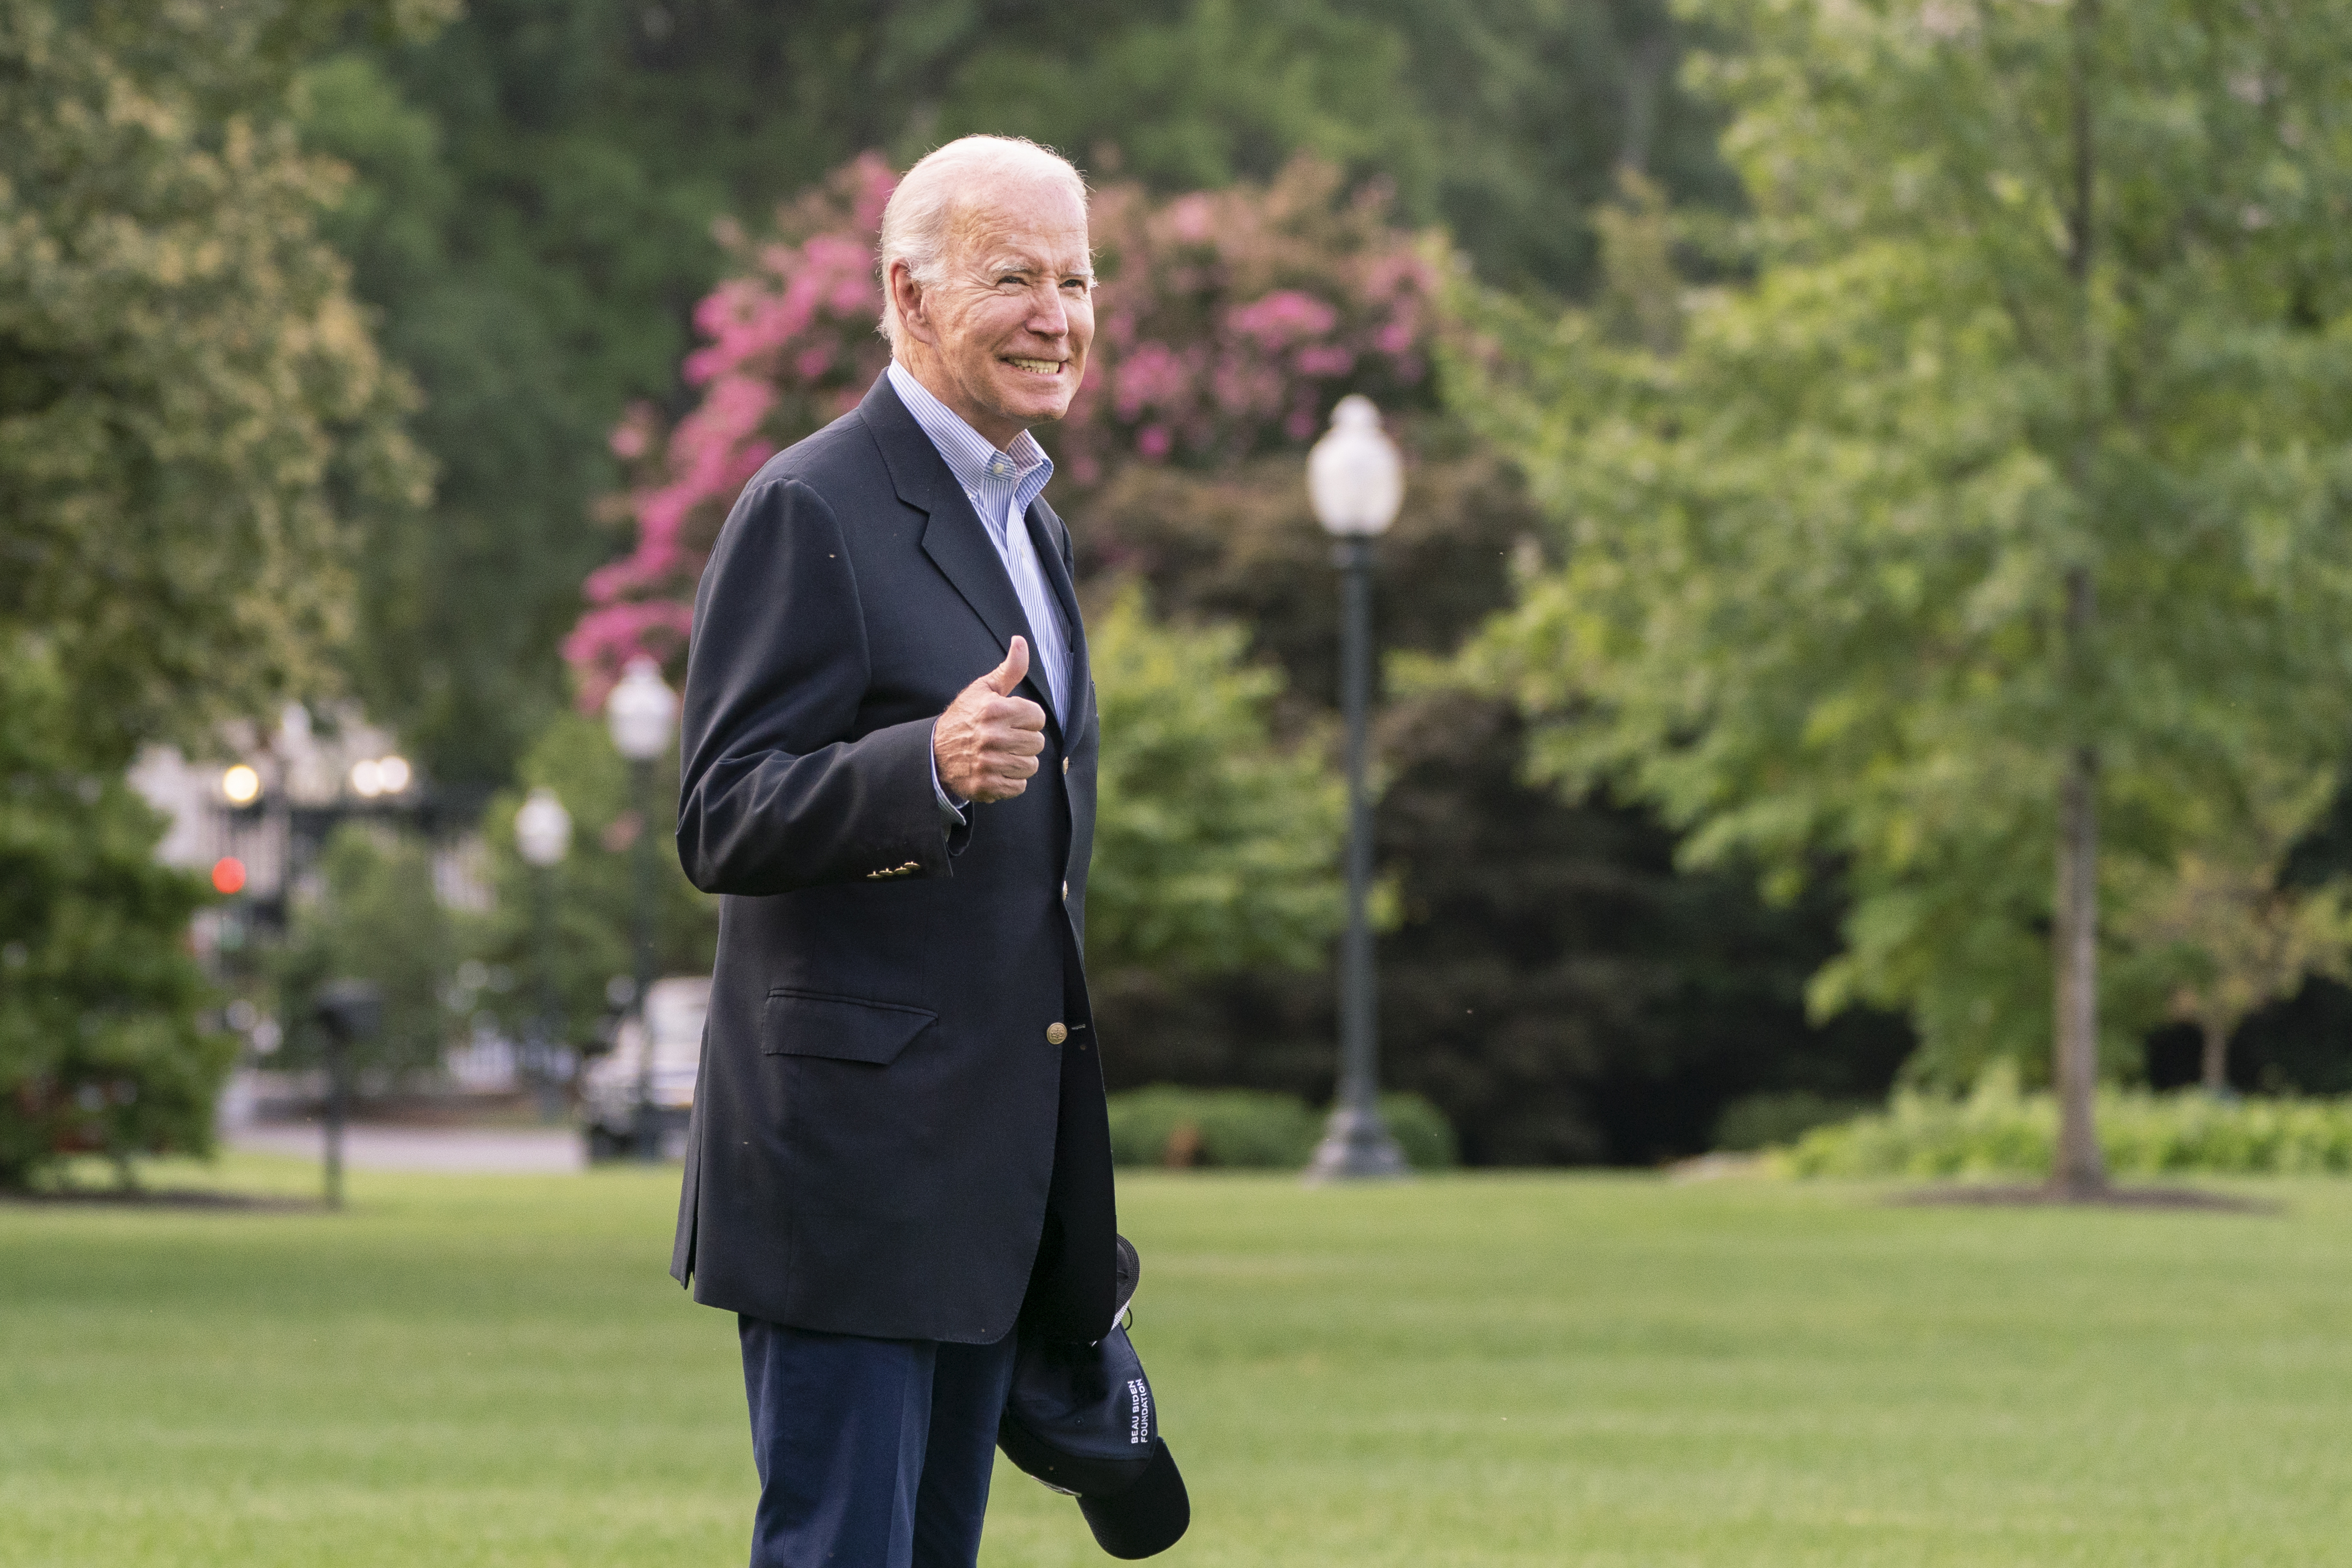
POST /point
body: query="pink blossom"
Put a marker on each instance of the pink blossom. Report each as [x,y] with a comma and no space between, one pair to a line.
[1324,360]
[872,181]
[606,639]
[634,436]
[1153,441]
[1399,272]
[1283,318]
[1190,218]
[659,513]
[1153,376]
[1246,388]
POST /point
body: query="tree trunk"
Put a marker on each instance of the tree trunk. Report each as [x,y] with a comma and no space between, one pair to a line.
[2081,1170]
[2215,1076]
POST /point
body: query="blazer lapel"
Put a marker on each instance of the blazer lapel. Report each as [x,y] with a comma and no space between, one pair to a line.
[1043,526]
[955,539]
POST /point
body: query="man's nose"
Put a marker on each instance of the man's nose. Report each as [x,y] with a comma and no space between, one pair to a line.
[1050,317]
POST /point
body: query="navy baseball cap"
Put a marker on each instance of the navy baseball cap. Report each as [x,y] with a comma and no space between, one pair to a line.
[1081,1419]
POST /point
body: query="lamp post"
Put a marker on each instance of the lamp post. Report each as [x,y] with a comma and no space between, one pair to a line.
[639,713]
[350,1012]
[543,834]
[1356,482]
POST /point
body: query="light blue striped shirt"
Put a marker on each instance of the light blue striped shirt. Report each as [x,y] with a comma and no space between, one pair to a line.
[1000,486]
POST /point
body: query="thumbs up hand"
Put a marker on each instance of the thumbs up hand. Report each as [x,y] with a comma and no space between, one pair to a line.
[988,740]
[1006,677]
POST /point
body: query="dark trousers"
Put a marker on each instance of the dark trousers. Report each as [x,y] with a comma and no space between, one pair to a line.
[872,1453]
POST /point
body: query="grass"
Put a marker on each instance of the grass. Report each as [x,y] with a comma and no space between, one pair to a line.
[1474,1370]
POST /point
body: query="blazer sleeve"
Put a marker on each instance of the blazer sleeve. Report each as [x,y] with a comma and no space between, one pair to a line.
[773,793]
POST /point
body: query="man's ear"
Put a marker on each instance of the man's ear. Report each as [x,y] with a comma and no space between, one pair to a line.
[907,298]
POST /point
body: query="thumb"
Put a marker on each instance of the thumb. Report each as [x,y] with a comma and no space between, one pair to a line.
[1006,676]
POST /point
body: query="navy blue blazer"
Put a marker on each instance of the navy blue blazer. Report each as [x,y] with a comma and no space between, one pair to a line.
[899,1128]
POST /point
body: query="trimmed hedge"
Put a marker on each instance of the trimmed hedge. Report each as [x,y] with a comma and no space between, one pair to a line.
[1245,1129]
[1997,1131]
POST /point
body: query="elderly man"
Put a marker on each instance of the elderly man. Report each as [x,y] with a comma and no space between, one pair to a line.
[899,1150]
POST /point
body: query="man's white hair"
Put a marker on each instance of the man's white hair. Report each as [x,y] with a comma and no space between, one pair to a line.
[920,218]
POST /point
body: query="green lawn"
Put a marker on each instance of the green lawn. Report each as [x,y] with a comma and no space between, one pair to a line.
[1515,1370]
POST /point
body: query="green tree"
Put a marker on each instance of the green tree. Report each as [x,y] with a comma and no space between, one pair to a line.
[375,917]
[192,420]
[591,889]
[1506,120]
[101,1049]
[531,273]
[191,414]
[2228,928]
[1998,520]
[1553,981]
[1215,848]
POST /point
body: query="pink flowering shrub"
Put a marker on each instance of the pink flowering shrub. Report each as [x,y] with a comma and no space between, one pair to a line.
[788,344]
[1227,324]
[1230,322]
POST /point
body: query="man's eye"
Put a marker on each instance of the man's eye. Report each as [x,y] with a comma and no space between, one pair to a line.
[1074,286]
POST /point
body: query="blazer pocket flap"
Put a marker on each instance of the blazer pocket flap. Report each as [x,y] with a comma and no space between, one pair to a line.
[806,1024]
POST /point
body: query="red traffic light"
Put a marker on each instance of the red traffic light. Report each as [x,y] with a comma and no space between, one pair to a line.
[229,874]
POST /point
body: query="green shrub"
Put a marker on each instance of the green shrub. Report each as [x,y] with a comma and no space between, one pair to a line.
[1247,1130]
[1762,1121]
[1997,1131]
[1420,1131]
[1164,1125]
[103,1043]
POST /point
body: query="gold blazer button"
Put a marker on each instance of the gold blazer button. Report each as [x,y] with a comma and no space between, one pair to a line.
[1055,1034]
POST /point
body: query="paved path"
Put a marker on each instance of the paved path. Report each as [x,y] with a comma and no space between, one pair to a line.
[523,1151]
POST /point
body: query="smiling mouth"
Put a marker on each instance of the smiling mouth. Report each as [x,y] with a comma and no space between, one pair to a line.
[1035,366]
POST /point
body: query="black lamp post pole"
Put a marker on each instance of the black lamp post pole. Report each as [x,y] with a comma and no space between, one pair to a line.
[306,828]
[338,1110]
[349,1011]
[542,1067]
[649,1137]
[1356,1143]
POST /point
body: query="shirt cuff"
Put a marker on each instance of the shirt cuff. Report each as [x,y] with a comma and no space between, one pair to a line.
[950,809]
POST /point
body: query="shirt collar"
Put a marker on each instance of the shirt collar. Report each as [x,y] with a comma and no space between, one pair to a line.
[976,464]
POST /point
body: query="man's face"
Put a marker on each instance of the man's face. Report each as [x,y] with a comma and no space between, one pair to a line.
[1007,326]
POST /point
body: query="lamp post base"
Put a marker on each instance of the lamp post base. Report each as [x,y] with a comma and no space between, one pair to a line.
[1356,1147]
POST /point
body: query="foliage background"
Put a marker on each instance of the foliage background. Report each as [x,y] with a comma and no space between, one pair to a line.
[531,214]
[534,252]
[534,188]
[1920,422]
[194,425]
[102,1046]
[1557,989]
